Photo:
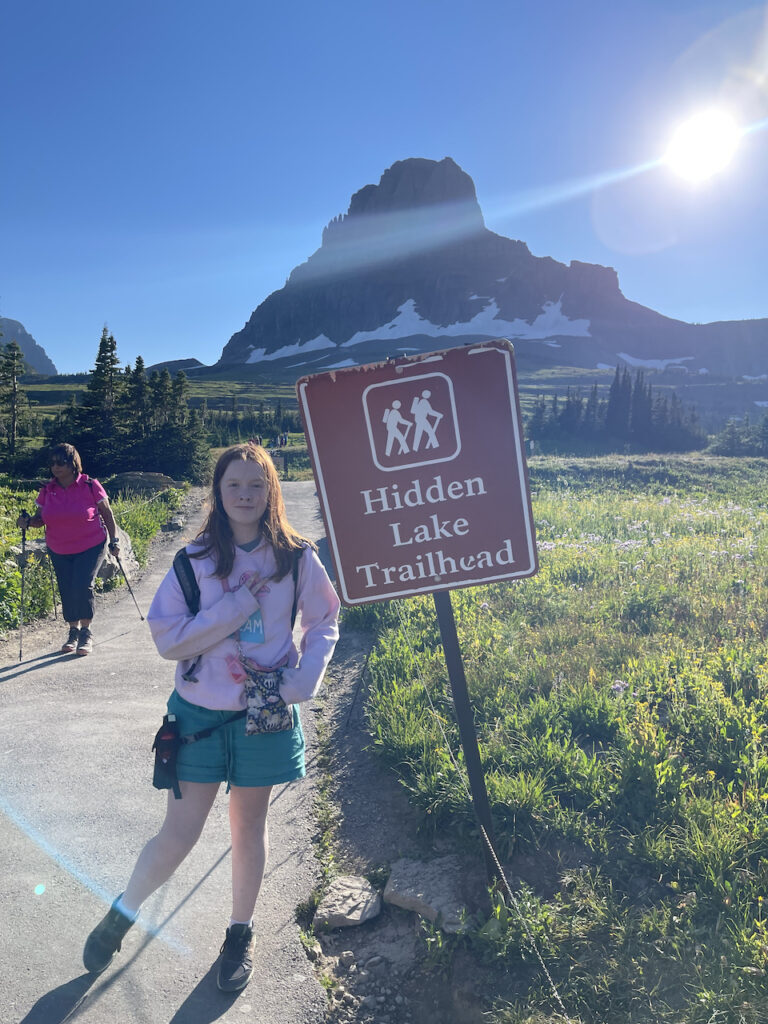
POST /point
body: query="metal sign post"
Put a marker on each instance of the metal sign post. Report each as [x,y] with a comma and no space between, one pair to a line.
[421,474]
[466,722]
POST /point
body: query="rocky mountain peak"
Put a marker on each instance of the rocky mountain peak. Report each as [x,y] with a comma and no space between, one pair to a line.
[411,267]
[431,194]
[34,355]
[414,184]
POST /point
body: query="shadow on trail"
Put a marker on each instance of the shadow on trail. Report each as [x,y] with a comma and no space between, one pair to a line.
[63,1003]
[42,661]
[205,1003]
[59,1005]
[50,659]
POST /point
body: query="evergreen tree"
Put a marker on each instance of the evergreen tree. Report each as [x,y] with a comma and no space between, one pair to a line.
[138,401]
[570,416]
[161,391]
[537,421]
[592,413]
[619,404]
[762,437]
[180,398]
[105,385]
[13,399]
[640,420]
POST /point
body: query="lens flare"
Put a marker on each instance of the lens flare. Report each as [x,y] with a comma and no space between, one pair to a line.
[703,145]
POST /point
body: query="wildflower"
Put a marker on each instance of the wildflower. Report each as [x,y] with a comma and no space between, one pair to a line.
[619,686]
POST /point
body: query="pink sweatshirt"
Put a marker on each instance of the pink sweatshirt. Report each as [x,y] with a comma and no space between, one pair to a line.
[263,623]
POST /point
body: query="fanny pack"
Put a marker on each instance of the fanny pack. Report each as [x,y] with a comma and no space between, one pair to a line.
[167,743]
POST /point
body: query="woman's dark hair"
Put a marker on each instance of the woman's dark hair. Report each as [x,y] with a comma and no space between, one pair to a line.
[216,535]
[67,454]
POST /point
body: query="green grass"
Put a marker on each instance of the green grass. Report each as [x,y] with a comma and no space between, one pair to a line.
[621,703]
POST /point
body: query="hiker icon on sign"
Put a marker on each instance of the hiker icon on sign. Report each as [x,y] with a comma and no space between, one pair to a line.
[397,429]
[422,411]
[412,421]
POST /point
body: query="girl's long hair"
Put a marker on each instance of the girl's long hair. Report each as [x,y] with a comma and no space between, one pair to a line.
[216,535]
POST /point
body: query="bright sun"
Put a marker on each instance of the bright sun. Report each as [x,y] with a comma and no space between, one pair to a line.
[703,145]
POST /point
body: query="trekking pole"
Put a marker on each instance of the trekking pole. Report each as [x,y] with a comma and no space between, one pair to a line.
[130,590]
[21,605]
[53,589]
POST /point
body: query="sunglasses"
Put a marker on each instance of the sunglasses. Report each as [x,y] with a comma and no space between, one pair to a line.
[59,462]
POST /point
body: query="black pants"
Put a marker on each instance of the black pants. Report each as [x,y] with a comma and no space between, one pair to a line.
[76,575]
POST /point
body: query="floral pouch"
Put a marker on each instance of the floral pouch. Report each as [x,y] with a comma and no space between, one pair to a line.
[266,711]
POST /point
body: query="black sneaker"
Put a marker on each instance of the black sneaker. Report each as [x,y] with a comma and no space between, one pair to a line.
[105,940]
[70,644]
[236,965]
[85,641]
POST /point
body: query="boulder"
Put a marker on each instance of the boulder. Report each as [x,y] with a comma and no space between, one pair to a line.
[350,900]
[430,888]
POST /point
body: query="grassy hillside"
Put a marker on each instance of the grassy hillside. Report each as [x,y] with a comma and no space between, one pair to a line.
[716,399]
[621,702]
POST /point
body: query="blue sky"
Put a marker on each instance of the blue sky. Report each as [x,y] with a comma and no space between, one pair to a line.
[165,165]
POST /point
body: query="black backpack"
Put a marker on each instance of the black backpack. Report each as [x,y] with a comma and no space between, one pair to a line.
[185,574]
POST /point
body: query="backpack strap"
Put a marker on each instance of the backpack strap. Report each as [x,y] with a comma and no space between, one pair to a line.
[190,588]
[297,553]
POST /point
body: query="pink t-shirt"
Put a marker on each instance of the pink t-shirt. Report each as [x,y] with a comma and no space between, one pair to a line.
[72,521]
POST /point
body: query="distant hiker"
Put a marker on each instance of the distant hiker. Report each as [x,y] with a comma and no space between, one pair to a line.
[78,521]
[238,682]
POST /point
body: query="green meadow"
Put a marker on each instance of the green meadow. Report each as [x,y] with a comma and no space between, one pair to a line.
[620,699]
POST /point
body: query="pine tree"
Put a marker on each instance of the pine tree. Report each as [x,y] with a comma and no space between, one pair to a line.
[640,422]
[138,401]
[180,398]
[537,420]
[619,400]
[592,413]
[12,397]
[161,391]
[105,385]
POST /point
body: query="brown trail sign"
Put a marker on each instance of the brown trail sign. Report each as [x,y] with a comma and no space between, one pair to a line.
[421,474]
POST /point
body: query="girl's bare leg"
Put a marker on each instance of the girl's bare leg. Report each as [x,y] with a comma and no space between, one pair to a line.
[184,820]
[248,807]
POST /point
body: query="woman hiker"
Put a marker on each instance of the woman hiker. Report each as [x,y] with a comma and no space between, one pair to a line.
[240,676]
[78,520]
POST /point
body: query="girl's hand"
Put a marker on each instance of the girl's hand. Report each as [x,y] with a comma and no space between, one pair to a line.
[253,582]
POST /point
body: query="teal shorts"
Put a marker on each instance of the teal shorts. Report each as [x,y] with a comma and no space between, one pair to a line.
[229,755]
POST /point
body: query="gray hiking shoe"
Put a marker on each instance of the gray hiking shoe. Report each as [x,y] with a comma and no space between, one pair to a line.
[85,641]
[70,646]
[105,940]
[236,964]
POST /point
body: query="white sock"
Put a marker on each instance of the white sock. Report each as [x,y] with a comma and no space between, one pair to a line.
[233,921]
[129,912]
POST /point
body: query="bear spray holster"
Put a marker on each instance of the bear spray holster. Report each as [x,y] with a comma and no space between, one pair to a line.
[166,747]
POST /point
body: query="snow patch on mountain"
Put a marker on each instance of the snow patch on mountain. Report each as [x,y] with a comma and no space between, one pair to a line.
[551,322]
[652,364]
[320,342]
